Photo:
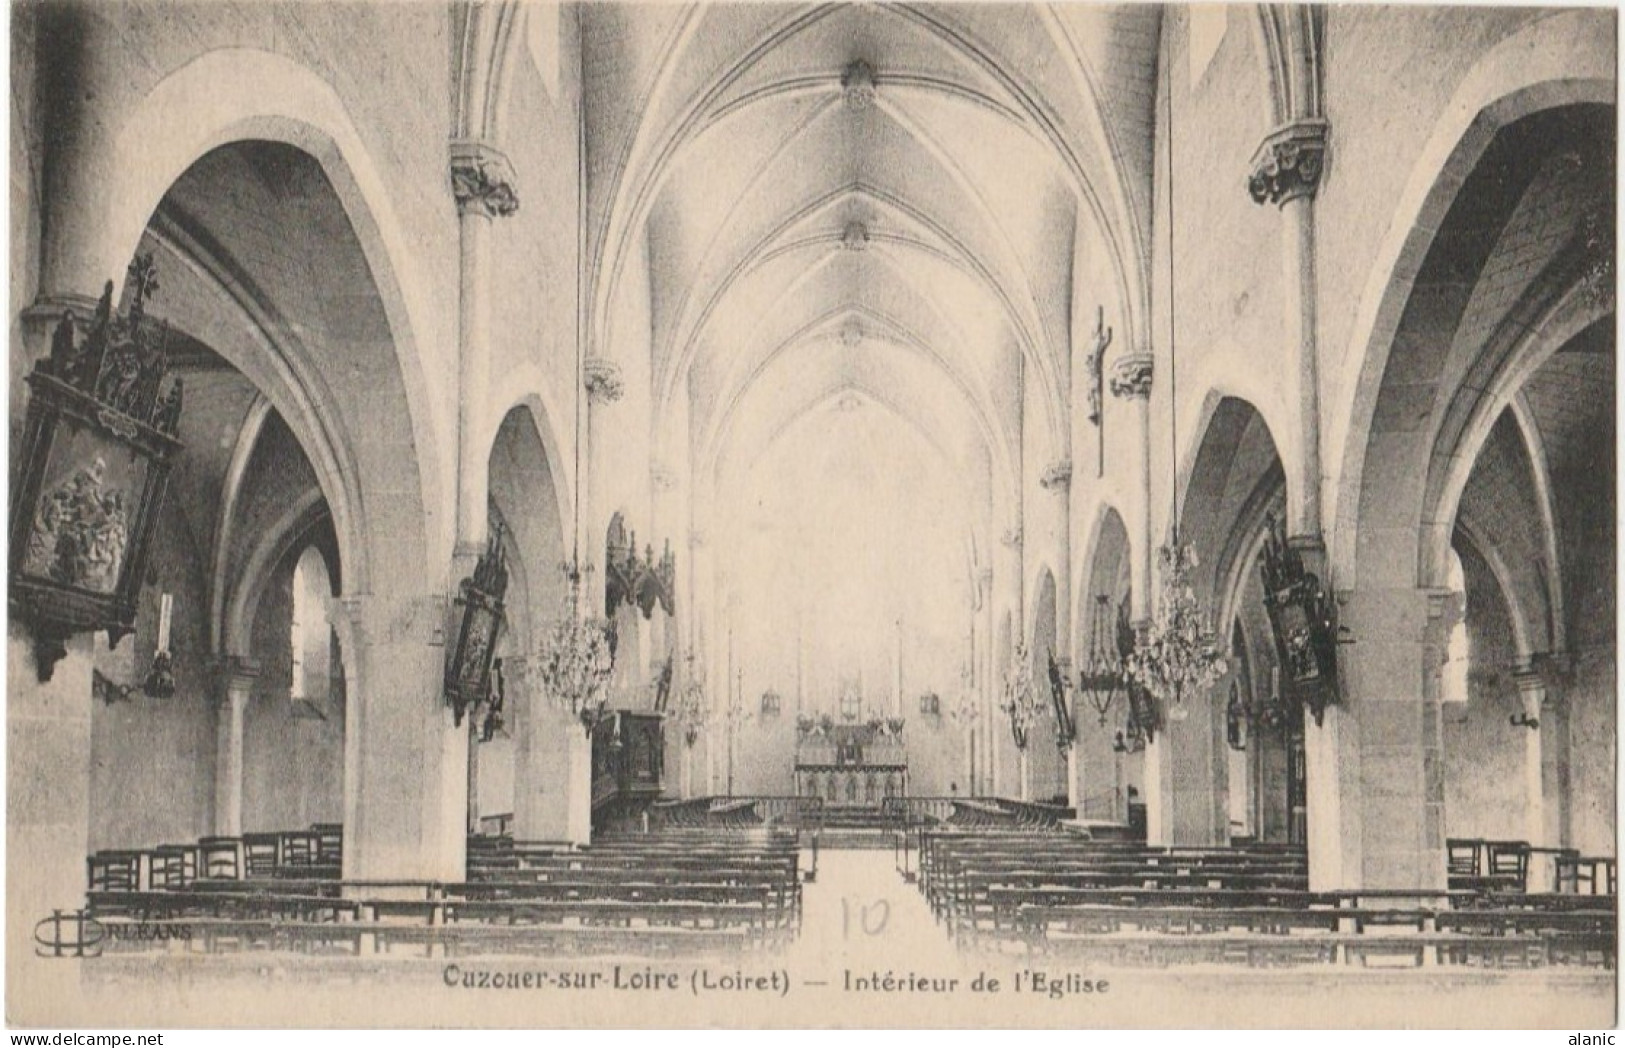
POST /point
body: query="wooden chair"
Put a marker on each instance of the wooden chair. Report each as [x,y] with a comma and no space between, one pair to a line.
[1508,864]
[174,867]
[1462,858]
[260,854]
[299,848]
[220,857]
[1585,875]
[329,843]
[115,871]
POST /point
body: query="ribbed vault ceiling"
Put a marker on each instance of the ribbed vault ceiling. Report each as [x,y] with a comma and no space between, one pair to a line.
[884,200]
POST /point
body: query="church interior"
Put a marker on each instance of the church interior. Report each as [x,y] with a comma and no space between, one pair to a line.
[521,479]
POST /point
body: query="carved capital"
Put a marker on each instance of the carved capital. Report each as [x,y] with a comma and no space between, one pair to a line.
[858,85]
[1057,476]
[855,237]
[237,675]
[1131,376]
[482,180]
[1288,163]
[48,310]
[602,379]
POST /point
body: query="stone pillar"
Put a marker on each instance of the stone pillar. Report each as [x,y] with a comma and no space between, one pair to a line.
[1331,755]
[1096,780]
[1555,731]
[984,688]
[1059,763]
[1131,380]
[239,675]
[1286,171]
[472,803]
[1057,480]
[1188,780]
[47,809]
[1074,785]
[48,747]
[483,183]
[602,380]
[1008,771]
[79,61]
[559,799]
[406,785]
[552,785]
[1532,694]
[1385,828]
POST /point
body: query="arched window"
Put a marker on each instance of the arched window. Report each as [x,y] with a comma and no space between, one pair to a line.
[1453,680]
[311,634]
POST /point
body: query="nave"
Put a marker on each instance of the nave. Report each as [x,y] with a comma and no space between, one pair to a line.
[1133,483]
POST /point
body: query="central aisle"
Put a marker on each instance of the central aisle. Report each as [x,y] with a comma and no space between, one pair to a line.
[861,917]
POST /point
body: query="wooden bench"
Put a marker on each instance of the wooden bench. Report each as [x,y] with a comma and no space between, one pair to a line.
[457,940]
[172,905]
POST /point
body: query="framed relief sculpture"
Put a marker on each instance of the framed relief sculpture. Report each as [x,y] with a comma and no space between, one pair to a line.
[97,447]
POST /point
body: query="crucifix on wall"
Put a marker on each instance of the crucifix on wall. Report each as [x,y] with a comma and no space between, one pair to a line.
[1096,365]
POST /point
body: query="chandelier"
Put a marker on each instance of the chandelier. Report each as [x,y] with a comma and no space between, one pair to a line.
[737,715]
[1178,655]
[691,707]
[577,656]
[1021,703]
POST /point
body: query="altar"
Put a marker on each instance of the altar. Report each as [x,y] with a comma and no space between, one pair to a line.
[851,765]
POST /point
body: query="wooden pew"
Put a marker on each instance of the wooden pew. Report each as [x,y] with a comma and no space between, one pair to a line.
[173,905]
